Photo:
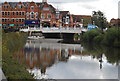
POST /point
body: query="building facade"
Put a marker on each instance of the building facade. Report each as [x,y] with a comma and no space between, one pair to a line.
[34,14]
[115,22]
[13,14]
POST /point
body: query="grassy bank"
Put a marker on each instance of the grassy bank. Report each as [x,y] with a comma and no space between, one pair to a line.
[12,42]
[109,38]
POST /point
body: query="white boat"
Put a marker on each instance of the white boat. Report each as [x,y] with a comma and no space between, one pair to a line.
[35,37]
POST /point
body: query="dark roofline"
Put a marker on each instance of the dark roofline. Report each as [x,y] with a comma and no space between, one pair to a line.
[82,15]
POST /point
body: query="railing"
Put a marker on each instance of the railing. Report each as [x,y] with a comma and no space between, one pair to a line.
[55,29]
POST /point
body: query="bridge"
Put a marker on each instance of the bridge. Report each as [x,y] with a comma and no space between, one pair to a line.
[56,32]
[55,29]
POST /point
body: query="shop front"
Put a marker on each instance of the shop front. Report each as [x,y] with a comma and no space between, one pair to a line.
[32,23]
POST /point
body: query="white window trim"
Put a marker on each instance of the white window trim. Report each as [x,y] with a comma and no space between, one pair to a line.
[31,15]
[48,15]
[42,16]
[36,15]
[27,15]
[31,8]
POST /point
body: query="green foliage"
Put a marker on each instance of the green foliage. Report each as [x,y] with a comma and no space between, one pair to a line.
[87,21]
[110,38]
[98,38]
[89,35]
[13,41]
[99,19]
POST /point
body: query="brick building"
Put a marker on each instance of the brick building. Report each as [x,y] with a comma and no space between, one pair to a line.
[32,14]
[13,14]
[81,20]
[35,14]
[115,22]
[49,16]
[67,20]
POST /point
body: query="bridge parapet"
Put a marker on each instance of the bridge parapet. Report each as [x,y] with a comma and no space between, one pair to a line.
[56,30]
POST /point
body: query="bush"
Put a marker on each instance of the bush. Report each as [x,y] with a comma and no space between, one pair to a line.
[12,42]
[89,35]
[99,38]
[117,43]
[112,37]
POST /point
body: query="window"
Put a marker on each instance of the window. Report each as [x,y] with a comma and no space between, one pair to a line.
[2,20]
[5,20]
[22,13]
[57,16]
[13,13]
[49,15]
[5,6]
[2,13]
[36,15]
[22,20]
[8,20]
[5,13]
[16,13]
[12,20]
[32,8]
[67,19]
[46,9]
[32,15]
[19,6]
[42,16]
[27,15]
[19,20]
[19,13]
[8,13]
[16,20]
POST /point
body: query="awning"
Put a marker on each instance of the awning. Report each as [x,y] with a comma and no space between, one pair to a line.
[11,25]
[21,25]
[37,22]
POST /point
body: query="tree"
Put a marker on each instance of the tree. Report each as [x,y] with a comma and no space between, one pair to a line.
[99,19]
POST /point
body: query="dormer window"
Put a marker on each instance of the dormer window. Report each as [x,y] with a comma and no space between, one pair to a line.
[32,8]
[46,9]
[5,6]
[19,6]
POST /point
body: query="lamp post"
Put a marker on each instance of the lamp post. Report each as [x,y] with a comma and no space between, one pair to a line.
[82,22]
[93,22]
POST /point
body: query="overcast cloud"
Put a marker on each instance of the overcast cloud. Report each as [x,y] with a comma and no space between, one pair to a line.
[84,7]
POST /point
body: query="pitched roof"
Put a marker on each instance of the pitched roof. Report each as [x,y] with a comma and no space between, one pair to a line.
[13,4]
[64,12]
[82,16]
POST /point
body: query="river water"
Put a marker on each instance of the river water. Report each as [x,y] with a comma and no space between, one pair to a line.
[48,59]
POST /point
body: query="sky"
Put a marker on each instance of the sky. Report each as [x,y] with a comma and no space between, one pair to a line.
[83,7]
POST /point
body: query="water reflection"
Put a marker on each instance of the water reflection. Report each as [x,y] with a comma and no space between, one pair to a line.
[66,61]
